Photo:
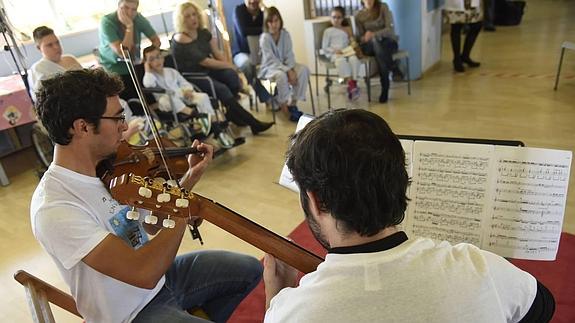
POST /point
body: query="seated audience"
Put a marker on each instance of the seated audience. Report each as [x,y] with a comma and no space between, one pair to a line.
[335,40]
[378,39]
[278,64]
[52,61]
[350,169]
[248,21]
[195,50]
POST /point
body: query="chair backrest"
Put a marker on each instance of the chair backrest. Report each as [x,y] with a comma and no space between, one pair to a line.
[39,294]
[318,29]
[254,46]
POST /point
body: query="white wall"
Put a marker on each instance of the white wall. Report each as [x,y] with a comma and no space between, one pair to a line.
[430,36]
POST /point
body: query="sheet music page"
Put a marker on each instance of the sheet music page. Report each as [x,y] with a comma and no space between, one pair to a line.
[528,202]
[408,149]
[286,179]
[449,191]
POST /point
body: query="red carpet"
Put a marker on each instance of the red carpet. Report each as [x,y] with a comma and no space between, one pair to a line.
[556,275]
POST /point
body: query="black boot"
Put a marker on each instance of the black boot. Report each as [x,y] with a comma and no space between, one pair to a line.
[456,47]
[474,30]
[458,65]
[384,80]
[238,115]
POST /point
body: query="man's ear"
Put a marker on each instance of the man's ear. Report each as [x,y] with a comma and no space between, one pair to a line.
[313,204]
[80,127]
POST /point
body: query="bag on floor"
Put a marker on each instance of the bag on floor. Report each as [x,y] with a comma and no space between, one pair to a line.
[508,13]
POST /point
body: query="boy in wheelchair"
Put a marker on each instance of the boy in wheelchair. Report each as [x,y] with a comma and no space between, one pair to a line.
[177,99]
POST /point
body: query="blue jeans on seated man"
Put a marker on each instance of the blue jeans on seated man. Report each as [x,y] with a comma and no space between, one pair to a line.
[242,61]
[215,281]
[382,49]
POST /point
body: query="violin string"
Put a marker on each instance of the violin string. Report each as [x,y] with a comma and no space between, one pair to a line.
[128,60]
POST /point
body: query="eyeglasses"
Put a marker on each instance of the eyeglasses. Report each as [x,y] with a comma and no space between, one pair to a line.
[121,118]
[336,17]
[154,58]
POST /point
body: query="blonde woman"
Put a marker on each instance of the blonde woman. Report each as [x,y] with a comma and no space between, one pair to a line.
[195,50]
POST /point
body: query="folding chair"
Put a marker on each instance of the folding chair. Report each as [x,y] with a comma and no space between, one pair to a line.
[256,58]
[369,61]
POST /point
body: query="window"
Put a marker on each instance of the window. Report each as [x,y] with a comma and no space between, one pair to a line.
[67,16]
[319,8]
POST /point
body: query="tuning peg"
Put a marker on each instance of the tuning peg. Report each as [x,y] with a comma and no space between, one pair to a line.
[172,183]
[145,192]
[159,180]
[163,198]
[133,215]
[169,223]
[151,219]
[182,203]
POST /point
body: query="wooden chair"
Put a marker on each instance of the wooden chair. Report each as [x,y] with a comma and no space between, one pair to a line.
[40,294]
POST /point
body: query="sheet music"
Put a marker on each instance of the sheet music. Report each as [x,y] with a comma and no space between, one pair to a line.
[408,149]
[286,178]
[449,191]
[529,199]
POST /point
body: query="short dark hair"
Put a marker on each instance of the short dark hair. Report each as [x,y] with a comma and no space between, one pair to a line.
[72,95]
[355,165]
[269,14]
[41,32]
[147,50]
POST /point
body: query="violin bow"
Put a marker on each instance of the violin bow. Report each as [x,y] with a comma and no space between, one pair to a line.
[155,133]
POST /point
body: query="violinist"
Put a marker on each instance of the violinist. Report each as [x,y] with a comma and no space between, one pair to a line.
[115,272]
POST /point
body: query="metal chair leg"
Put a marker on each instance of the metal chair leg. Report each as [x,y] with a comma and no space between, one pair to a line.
[316,78]
[408,76]
[368,81]
[559,69]
[328,88]
[311,96]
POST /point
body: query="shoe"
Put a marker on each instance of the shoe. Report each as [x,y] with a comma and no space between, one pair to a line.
[261,127]
[469,62]
[205,123]
[352,90]
[383,97]
[458,66]
[294,113]
[225,140]
[239,141]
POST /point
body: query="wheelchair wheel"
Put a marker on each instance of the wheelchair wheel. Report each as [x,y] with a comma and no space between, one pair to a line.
[42,145]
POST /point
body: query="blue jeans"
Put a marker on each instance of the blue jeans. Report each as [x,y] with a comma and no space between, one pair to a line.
[215,281]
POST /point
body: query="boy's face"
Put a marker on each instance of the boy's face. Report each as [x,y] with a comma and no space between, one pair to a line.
[50,48]
[155,60]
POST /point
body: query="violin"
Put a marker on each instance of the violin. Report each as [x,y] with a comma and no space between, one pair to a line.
[135,177]
[145,160]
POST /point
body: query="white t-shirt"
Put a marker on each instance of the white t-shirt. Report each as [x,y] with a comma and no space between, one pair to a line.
[43,69]
[420,280]
[71,214]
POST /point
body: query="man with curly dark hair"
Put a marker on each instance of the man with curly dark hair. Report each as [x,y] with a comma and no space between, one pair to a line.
[116,273]
[350,169]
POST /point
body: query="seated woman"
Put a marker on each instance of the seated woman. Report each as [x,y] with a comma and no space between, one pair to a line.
[195,50]
[377,38]
[278,64]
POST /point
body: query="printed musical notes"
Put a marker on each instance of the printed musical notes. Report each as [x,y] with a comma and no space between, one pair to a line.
[508,200]
[449,191]
[528,202]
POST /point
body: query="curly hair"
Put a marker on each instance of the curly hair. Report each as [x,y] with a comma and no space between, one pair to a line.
[80,94]
[178,18]
[355,165]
